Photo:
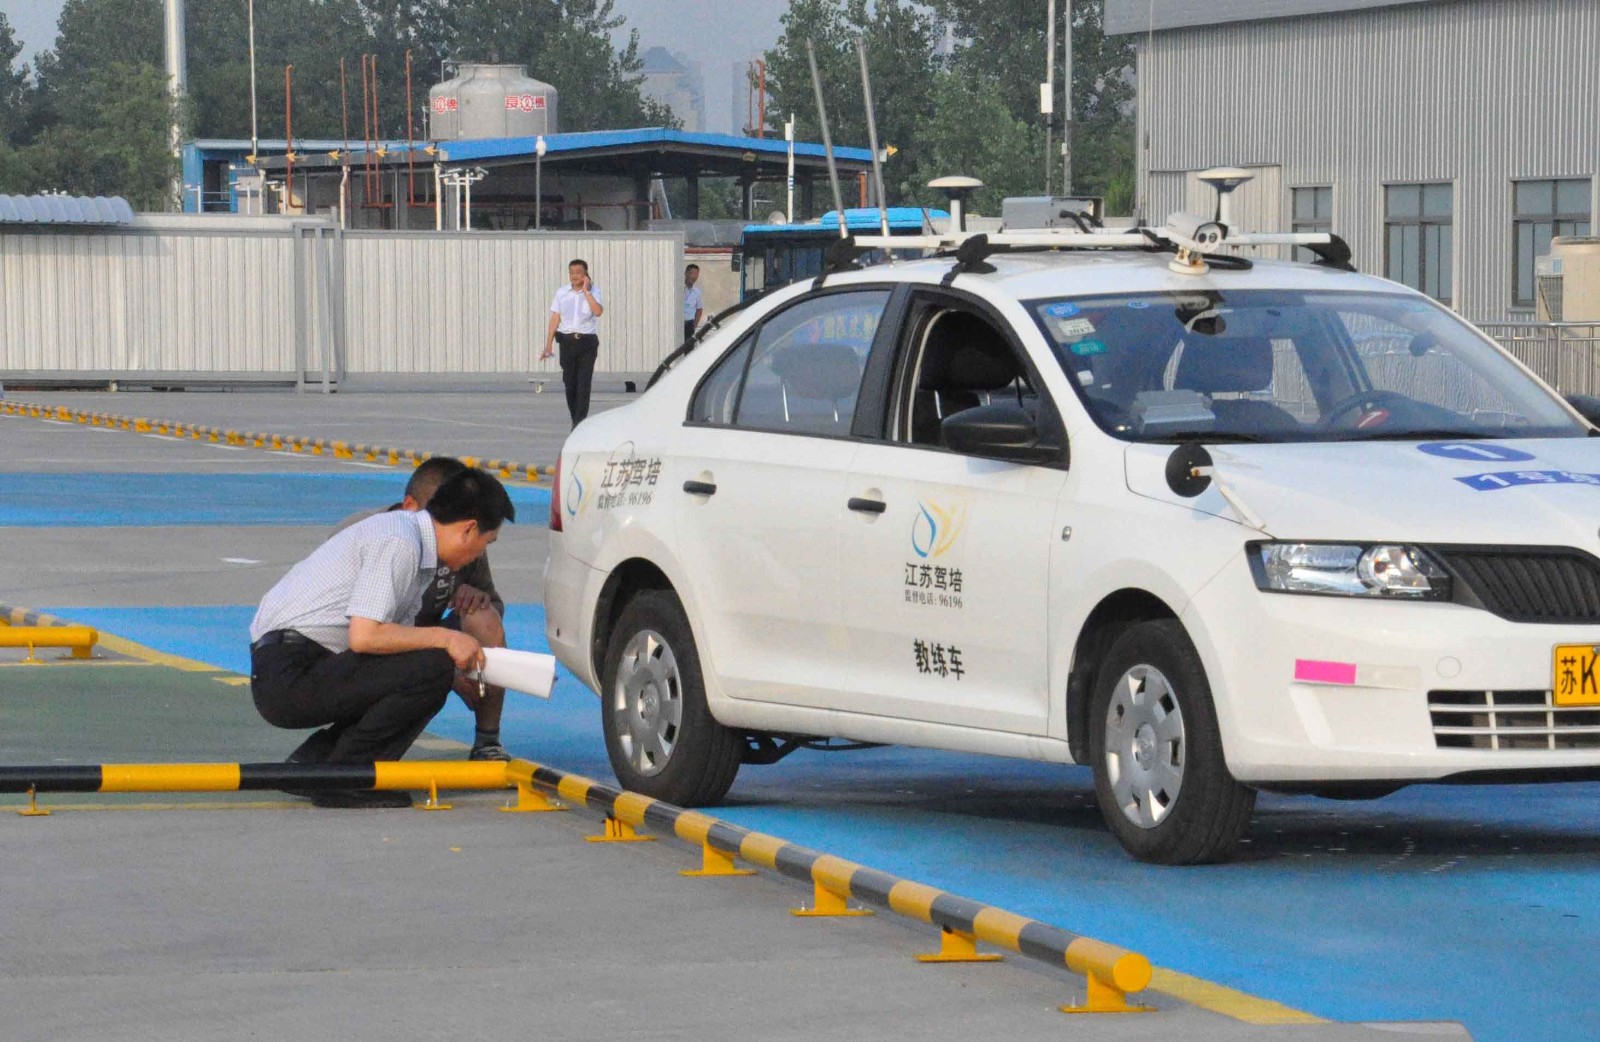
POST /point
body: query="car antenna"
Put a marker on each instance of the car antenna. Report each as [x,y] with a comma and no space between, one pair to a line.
[872,140]
[841,254]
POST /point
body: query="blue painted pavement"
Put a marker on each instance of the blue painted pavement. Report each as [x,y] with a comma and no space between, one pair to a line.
[92,500]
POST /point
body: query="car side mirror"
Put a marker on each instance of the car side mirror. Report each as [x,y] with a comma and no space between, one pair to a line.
[1588,407]
[1002,431]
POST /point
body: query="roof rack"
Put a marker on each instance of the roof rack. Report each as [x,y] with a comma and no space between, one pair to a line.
[1195,240]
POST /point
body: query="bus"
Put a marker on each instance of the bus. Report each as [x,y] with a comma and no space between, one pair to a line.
[774,255]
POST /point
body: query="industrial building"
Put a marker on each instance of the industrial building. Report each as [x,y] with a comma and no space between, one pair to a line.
[1449,141]
[491,156]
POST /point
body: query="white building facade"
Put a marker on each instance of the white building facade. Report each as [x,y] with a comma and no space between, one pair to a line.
[1446,140]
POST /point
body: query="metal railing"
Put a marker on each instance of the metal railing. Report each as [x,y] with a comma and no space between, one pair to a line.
[1564,354]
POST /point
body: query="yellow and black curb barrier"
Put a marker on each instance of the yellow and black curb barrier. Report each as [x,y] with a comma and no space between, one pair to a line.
[1112,972]
[506,469]
[31,630]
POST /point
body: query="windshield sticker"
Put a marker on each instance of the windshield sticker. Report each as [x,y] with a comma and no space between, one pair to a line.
[1138,305]
[1066,310]
[1513,478]
[1089,347]
[1476,453]
[1074,327]
[939,660]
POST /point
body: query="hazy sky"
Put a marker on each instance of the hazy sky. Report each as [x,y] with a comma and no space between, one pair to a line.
[716,33]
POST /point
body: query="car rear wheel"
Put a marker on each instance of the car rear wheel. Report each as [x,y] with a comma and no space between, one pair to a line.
[1159,773]
[660,735]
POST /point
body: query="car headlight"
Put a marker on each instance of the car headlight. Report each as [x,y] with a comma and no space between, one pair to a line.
[1387,570]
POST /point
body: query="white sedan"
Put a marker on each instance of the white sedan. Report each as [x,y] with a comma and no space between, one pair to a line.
[1259,526]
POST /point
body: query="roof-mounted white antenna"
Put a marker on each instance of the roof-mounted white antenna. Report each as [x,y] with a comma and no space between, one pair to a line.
[1225,179]
[872,139]
[827,142]
[957,188]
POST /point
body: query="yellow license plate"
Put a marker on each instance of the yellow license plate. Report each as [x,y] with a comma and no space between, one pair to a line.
[1576,674]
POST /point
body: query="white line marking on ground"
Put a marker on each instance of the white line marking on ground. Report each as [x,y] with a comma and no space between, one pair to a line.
[370,466]
[240,560]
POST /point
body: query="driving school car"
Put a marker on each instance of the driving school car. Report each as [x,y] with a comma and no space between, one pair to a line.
[1210,526]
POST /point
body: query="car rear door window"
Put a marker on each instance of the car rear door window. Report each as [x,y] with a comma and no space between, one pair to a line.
[804,374]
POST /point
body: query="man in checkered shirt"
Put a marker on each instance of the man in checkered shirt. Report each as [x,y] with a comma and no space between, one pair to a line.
[334,645]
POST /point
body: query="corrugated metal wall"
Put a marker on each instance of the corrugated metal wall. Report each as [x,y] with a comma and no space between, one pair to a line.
[478,302]
[167,296]
[1477,94]
[244,299]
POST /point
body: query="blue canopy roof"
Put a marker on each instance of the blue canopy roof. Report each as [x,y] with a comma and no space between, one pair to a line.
[599,140]
[856,219]
[64,209]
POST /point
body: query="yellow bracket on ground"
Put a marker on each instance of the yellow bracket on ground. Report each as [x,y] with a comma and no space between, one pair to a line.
[956,946]
[33,810]
[714,862]
[433,799]
[1110,973]
[825,904]
[531,801]
[619,832]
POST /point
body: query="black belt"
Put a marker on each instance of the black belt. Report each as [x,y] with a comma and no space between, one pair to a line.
[281,637]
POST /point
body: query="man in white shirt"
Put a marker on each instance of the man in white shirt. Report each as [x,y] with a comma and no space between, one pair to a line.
[692,308]
[572,325]
[333,644]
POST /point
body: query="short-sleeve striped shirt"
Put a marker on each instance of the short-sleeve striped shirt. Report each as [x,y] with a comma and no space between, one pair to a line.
[378,569]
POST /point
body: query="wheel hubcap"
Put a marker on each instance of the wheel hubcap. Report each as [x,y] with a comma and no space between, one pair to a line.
[647,702]
[1145,747]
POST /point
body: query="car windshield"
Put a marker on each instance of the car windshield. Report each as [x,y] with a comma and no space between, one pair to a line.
[1287,366]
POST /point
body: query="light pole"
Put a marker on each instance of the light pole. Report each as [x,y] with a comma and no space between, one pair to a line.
[255,137]
[539,149]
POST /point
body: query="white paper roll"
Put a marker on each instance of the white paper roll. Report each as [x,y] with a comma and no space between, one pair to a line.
[527,671]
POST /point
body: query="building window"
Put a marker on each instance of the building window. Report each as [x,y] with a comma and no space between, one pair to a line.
[1543,210]
[1417,234]
[1313,213]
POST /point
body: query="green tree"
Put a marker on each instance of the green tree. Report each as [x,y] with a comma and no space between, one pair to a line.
[973,133]
[1003,42]
[15,91]
[899,38]
[114,139]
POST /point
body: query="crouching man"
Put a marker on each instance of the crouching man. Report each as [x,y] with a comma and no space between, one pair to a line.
[333,644]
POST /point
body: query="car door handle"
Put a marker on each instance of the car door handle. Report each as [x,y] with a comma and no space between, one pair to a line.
[867,506]
[700,488]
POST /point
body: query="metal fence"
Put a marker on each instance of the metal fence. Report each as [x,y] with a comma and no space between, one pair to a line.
[254,300]
[1565,354]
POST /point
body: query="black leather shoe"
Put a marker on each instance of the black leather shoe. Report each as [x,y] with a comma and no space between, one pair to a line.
[354,798]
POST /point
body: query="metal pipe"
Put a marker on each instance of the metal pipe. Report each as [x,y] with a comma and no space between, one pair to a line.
[1047,92]
[872,138]
[827,141]
[788,133]
[1066,115]
[411,149]
[177,85]
[288,135]
[438,197]
[255,136]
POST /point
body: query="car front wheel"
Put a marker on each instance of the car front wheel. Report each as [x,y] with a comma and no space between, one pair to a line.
[1159,773]
[660,735]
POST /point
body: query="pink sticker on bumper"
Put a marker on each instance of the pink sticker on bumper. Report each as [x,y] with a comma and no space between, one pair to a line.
[1315,672]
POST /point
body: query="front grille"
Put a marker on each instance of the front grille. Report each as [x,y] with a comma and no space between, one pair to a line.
[1526,584]
[1510,720]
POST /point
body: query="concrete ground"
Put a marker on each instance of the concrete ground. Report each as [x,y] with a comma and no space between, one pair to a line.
[257,916]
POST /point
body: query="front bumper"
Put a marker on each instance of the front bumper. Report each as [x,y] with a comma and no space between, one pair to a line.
[1311,689]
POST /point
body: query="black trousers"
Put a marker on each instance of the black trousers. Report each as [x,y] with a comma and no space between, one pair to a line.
[578,353]
[688,329]
[370,707]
